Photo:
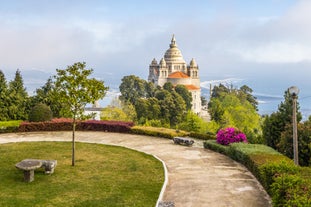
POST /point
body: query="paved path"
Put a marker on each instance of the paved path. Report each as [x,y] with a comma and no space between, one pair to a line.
[197,177]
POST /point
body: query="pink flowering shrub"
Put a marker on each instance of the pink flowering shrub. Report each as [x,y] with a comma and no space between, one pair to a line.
[230,135]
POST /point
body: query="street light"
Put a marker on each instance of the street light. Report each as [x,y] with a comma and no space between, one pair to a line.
[294,91]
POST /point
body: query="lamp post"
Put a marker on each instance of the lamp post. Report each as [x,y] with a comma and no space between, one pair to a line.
[294,91]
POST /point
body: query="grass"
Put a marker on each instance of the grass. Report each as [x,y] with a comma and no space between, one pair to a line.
[103,176]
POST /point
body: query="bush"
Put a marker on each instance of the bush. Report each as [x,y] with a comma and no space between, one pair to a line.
[158,132]
[9,126]
[40,112]
[66,125]
[230,135]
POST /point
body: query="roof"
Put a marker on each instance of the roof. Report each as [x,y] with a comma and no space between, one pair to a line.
[192,87]
[178,74]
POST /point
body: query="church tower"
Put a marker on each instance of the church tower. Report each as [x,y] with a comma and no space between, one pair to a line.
[173,68]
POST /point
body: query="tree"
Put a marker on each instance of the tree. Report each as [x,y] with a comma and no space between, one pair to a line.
[193,123]
[276,123]
[247,92]
[113,113]
[132,88]
[185,94]
[230,107]
[40,112]
[285,144]
[219,90]
[19,101]
[46,94]
[4,98]
[75,89]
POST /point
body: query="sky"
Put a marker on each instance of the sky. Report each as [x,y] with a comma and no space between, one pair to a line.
[263,44]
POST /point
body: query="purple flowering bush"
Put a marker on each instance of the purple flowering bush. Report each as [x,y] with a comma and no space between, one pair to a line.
[230,135]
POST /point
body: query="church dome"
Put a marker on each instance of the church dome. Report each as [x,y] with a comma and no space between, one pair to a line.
[154,62]
[193,63]
[173,54]
[162,62]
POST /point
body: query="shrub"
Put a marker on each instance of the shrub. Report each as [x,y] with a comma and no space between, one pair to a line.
[9,126]
[230,135]
[158,132]
[65,124]
[40,112]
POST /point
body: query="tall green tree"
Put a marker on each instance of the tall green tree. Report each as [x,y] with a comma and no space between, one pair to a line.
[247,92]
[46,94]
[19,100]
[185,94]
[276,123]
[75,89]
[4,98]
[232,107]
[132,88]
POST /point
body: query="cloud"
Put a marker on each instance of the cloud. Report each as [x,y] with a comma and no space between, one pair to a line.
[282,39]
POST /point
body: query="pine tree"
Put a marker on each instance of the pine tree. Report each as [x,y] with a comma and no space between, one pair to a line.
[19,101]
[4,100]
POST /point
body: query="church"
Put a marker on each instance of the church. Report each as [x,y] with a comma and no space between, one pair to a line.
[173,68]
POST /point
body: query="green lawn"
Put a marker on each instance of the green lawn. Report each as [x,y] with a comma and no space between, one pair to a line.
[103,176]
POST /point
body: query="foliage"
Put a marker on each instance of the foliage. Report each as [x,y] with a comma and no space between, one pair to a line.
[304,139]
[40,112]
[47,95]
[287,184]
[75,89]
[113,113]
[212,127]
[235,107]
[133,88]
[185,94]
[66,125]
[276,123]
[158,132]
[277,131]
[9,126]
[19,101]
[230,135]
[168,104]
[93,182]
[193,123]
[4,98]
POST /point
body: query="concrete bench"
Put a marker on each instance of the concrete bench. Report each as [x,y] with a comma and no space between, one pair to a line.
[30,165]
[183,141]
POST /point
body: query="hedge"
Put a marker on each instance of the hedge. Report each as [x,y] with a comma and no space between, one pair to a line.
[158,132]
[66,125]
[286,183]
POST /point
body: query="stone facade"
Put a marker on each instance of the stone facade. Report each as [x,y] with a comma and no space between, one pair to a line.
[173,68]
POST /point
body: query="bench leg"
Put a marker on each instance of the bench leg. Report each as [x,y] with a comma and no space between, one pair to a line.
[29,175]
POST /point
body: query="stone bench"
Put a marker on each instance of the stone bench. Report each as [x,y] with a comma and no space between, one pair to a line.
[30,165]
[183,141]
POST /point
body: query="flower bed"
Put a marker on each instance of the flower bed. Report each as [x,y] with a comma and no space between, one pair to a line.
[230,135]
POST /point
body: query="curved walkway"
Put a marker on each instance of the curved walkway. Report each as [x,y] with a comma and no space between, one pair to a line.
[196,176]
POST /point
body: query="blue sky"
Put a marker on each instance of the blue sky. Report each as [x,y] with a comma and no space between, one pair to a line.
[264,44]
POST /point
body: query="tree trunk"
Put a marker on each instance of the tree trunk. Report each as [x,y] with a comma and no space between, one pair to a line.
[73,141]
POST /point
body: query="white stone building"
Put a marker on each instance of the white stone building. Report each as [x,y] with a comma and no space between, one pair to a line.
[173,68]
